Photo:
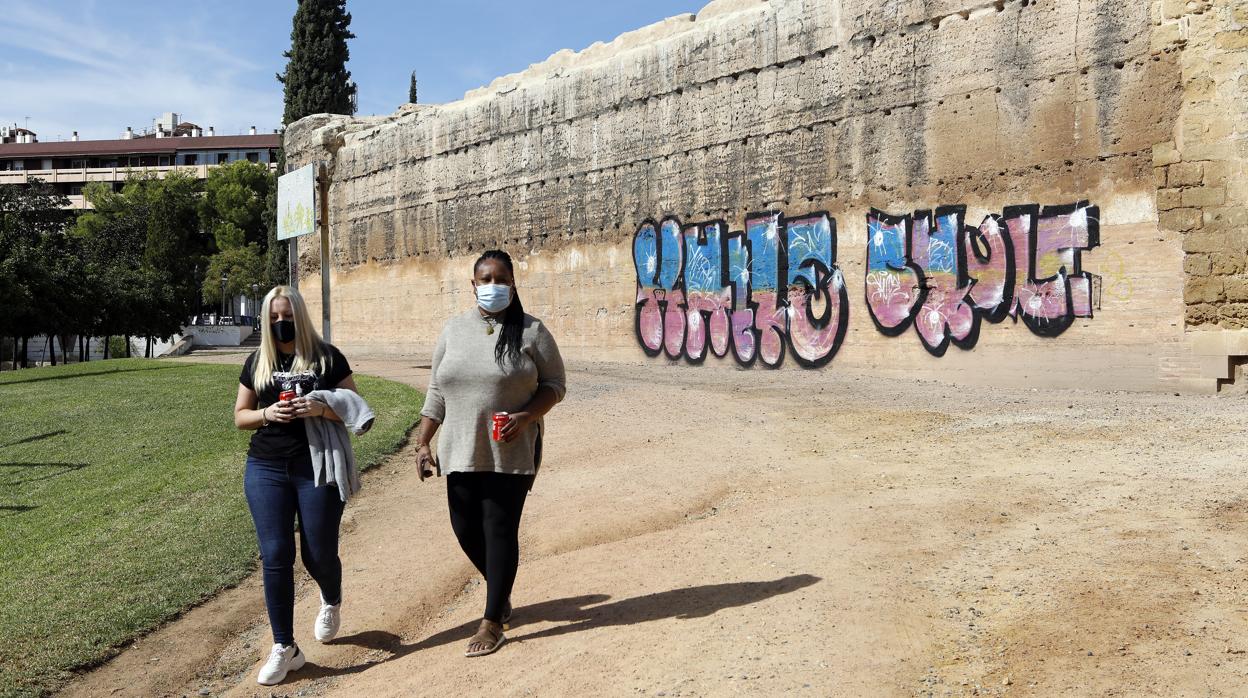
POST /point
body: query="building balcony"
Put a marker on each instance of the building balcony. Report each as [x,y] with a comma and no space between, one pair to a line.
[84,175]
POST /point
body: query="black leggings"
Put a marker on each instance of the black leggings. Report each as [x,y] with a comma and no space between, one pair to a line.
[485,515]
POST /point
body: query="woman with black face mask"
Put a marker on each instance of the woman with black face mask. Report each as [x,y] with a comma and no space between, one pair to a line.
[496,372]
[279,481]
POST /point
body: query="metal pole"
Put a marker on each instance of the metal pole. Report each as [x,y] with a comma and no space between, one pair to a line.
[292,263]
[323,209]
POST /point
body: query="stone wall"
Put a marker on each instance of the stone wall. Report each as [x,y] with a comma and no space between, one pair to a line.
[833,106]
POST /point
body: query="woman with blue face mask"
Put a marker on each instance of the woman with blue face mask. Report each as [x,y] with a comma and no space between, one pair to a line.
[492,359]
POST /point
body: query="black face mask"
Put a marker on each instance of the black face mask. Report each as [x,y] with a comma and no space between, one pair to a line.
[284,330]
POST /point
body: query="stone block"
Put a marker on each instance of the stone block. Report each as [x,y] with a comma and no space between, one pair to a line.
[1232,40]
[1204,241]
[1217,173]
[1201,314]
[1233,315]
[1165,154]
[1204,196]
[1169,198]
[1164,37]
[1197,265]
[1185,174]
[1179,219]
[1235,288]
[1224,263]
[1203,289]
[1225,218]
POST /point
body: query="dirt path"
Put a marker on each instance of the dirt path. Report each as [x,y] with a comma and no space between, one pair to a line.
[707,531]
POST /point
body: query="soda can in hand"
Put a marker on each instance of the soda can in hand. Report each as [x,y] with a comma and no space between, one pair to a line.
[496,427]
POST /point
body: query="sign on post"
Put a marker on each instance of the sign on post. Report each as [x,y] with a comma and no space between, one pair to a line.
[296,203]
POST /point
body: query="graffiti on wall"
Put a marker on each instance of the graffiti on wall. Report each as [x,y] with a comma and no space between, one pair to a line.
[934,272]
[702,288]
[775,288]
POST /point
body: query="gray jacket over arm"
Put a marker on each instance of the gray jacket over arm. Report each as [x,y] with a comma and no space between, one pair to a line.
[333,459]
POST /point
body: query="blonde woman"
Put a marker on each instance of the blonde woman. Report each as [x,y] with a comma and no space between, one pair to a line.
[292,361]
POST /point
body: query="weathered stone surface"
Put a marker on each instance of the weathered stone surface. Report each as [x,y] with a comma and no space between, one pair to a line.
[1203,290]
[1197,265]
[803,105]
[1185,174]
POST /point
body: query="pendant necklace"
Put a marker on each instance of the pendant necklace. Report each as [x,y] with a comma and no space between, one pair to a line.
[490,324]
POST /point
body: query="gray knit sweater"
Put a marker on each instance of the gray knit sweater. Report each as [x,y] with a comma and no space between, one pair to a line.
[467,387]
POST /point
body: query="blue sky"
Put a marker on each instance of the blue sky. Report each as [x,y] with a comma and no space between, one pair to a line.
[97,66]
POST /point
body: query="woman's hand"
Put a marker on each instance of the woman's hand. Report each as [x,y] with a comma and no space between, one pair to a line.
[425,465]
[517,422]
[282,412]
[304,407]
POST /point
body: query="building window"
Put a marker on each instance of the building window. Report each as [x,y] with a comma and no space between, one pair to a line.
[164,161]
[223,158]
[253,157]
[190,159]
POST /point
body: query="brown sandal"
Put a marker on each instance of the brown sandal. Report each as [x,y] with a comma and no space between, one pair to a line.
[489,637]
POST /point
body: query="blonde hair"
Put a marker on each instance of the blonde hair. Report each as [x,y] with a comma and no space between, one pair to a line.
[310,351]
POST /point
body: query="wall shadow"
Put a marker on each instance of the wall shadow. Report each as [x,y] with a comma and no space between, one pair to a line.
[578,613]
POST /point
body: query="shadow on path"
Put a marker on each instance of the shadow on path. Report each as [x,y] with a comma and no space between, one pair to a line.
[578,613]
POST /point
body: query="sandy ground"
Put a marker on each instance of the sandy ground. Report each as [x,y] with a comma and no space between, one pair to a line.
[709,531]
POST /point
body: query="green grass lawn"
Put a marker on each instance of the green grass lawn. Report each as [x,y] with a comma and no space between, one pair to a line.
[121,503]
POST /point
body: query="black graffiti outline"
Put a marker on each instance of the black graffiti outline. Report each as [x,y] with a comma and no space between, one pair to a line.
[724,280]
[662,296]
[964,280]
[1044,327]
[920,277]
[977,238]
[831,275]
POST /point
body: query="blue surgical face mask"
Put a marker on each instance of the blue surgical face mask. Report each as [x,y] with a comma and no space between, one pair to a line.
[493,298]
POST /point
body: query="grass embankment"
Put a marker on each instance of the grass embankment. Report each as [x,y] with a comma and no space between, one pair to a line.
[121,503]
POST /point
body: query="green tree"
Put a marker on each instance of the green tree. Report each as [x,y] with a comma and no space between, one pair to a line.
[33,220]
[316,79]
[411,89]
[141,248]
[234,205]
[242,267]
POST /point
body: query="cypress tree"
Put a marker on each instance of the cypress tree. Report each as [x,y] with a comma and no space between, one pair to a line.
[411,89]
[316,78]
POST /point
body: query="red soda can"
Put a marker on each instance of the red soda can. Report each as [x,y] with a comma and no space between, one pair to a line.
[496,428]
[287,395]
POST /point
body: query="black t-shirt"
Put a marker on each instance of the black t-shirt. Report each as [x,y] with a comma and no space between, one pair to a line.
[290,440]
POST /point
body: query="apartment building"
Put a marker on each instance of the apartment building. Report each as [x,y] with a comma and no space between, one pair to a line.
[171,144]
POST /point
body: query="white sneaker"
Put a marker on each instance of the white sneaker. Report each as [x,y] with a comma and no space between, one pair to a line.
[282,660]
[327,621]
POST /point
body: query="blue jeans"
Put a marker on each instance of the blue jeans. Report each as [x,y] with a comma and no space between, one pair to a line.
[278,491]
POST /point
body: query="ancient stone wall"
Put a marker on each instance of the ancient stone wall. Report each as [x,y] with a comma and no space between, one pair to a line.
[941,187]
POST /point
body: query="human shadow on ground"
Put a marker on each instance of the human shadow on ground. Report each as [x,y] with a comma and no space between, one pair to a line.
[20,468]
[85,374]
[36,437]
[578,613]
